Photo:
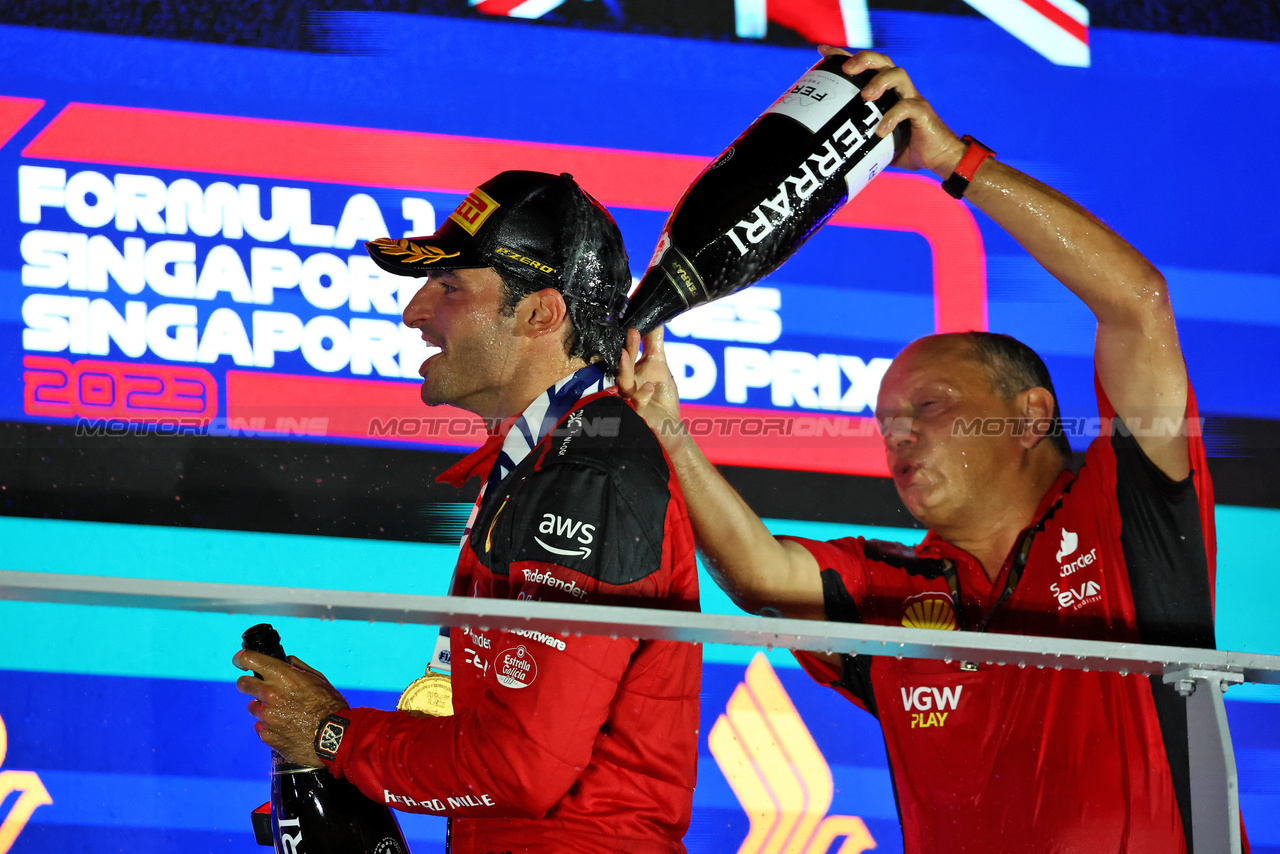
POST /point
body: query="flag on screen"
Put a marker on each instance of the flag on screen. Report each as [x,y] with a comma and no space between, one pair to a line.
[1057,29]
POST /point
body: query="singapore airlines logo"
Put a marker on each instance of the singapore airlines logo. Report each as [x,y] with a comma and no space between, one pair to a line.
[780,776]
[31,794]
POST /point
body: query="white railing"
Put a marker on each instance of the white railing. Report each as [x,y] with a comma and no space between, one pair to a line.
[1201,675]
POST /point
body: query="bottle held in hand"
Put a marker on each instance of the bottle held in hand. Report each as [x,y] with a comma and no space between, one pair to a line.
[311,810]
[761,199]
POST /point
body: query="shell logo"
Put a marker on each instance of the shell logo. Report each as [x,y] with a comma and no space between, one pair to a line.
[31,794]
[929,611]
[778,774]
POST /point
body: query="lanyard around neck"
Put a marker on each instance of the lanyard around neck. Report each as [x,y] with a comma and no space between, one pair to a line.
[1021,551]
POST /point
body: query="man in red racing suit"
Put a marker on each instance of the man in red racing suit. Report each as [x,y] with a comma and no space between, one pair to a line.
[585,744]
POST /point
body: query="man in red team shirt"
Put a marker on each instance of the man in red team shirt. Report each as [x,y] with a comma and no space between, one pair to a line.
[988,758]
[584,744]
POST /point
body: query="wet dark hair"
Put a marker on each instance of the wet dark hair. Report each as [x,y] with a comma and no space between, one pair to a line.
[1013,367]
[597,278]
[594,336]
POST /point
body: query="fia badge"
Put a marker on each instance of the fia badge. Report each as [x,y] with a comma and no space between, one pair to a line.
[428,695]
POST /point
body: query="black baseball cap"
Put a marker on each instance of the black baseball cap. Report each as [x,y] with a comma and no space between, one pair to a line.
[536,226]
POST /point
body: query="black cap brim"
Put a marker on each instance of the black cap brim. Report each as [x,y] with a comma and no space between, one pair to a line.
[450,248]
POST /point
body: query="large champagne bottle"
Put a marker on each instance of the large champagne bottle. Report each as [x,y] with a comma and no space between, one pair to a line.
[758,202]
[313,812]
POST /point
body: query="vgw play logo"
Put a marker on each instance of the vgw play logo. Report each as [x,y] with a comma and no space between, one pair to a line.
[31,794]
[780,776]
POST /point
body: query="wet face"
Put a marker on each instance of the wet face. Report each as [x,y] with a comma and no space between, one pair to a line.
[459,312]
[942,475]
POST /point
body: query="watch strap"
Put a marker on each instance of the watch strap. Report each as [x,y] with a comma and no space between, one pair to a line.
[329,735]
[974,155]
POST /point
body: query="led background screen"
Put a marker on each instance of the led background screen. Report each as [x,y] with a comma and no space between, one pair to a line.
[203,377]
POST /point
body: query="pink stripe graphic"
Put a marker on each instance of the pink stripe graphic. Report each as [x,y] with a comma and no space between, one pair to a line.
[14,114]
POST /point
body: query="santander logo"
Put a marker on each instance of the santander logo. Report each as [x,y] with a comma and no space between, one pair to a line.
[1067,548]
[1068,545]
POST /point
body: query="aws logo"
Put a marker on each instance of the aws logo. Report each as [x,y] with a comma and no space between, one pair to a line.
[563,526]
[31,794]
[778,773]
[929,611]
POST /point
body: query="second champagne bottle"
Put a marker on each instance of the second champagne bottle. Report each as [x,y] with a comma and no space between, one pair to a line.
[312,812]
[760,200]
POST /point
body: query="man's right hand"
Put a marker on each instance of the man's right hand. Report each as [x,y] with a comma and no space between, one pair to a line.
[290,699]
[762,575]
[647,384]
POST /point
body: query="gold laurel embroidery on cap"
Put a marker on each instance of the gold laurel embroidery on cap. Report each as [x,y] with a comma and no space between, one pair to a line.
[931,613]
[414,253]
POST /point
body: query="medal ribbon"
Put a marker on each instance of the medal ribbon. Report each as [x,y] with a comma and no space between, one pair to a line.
[499,456]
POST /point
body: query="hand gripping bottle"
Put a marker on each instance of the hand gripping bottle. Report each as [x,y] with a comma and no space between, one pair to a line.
[758,202]
[313,812]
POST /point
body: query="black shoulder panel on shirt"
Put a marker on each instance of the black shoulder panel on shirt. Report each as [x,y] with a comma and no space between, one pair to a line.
[1164,555]
[903,557]
[855,670]
[608,433]
[594,500]
[1164,550]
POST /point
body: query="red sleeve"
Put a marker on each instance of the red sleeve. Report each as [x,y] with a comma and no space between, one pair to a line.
[847,559]
[845,583]
[517,754]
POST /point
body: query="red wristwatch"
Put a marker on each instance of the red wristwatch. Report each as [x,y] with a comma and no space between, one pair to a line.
[973,157]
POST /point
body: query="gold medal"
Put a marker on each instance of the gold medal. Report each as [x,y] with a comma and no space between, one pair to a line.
[428,695]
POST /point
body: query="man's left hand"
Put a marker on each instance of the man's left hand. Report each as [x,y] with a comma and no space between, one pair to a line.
[933,145]
[289,701]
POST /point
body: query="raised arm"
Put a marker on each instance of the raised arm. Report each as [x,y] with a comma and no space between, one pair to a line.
[761,574]
[1137,356]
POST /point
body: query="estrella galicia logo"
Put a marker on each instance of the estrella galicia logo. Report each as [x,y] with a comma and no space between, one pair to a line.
[583,535]
[515,668]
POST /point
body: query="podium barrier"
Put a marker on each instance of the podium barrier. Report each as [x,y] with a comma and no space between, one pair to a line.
[1200,675]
